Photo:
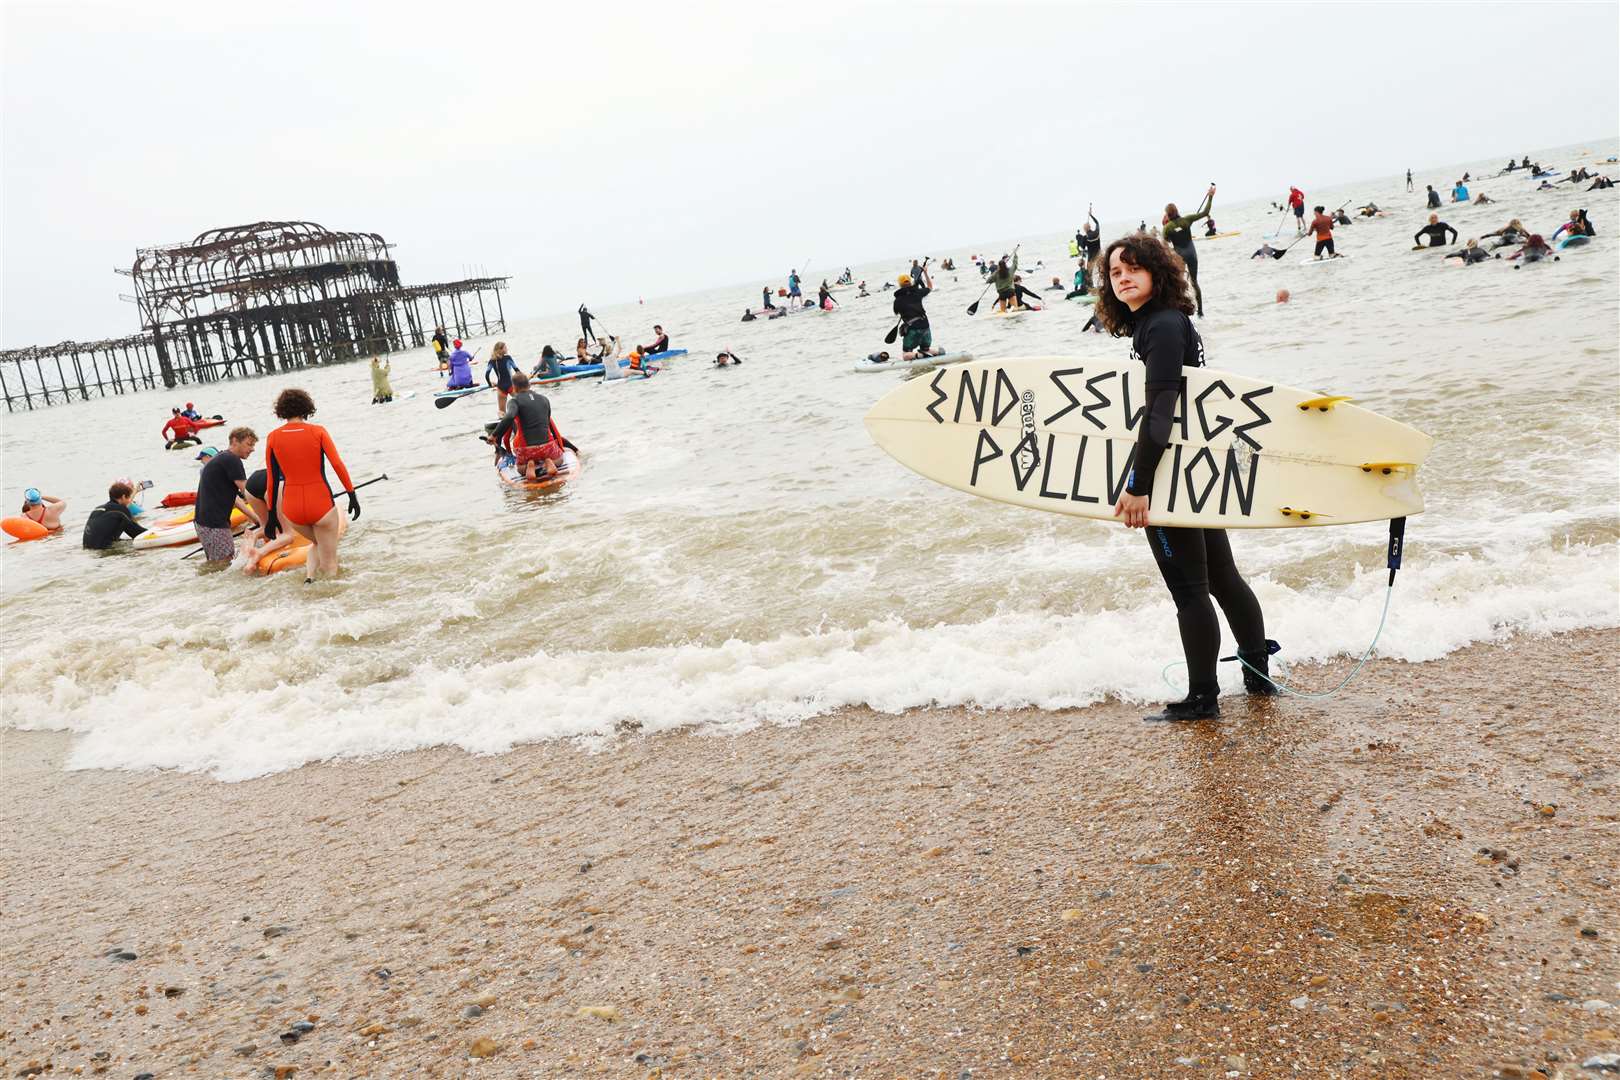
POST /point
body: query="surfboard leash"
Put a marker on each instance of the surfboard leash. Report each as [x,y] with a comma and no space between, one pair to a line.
[1397,543]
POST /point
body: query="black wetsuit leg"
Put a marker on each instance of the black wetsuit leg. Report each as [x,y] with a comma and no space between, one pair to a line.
[1197,564]
[1189,255]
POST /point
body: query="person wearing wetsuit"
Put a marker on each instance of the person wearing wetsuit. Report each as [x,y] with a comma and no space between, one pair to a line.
[1535,249]
[1322,226]
[908,305]
[1141,293]
[297,496]
[180,431]
[533,436]
[585,318]
[1408,179]
[501,367]
[549,366]
[824,298]
[1577,225]
[660,343]
[765,294]
[1178,233]
[1340,217]
[441,347]
[1602,183]
[460,369]
[1020,292]
[112,520]
[1082,282]
[1433,197]
[793,286]
[1211,229]
[1436,231]
[1511,233]
[1471,254]
[726,359]
[1266,249]
[1091,237]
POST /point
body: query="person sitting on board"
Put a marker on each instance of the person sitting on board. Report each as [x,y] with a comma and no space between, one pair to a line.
[824,298]
[179,431]
[112,520]
[460,369]
[549,366]
[726,359]
[1511,233]
[612,369]
[44,510]
[1002,281]
[526,426]
[1577,225]
[765,293]
[1436,231]
[1021,292]
[1082,282]
[660,343]
[1143,292]
[1460,192]
[1432,198]
[190,412]
[1210,228]
[908,305]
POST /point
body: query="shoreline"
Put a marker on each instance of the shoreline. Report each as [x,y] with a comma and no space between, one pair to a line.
[1373,885]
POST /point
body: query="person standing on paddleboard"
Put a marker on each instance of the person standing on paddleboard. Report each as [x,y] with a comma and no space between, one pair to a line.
[1142,292]
[1296,203]
[1090,237]
[1178,232]
[500,367]
[1322,226]
[908,305]
[584,326]
[441,347]
[793,286]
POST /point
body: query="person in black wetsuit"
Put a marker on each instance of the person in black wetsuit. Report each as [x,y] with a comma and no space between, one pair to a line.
[585,323]
[1433,197]
[1090,237]
[1178,234]
[112,520]
[1436,231]
[1408,179]
[1141,292]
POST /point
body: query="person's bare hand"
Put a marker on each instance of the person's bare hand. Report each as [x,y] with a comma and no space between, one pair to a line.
[1133,509]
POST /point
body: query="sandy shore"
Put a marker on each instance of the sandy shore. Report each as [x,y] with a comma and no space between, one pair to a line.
[1416,879]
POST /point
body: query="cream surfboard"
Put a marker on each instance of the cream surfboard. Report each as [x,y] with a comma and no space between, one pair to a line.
[1059,434]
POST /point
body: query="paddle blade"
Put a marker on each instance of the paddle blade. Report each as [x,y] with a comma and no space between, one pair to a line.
[973,308]
[444,402]
[888,339]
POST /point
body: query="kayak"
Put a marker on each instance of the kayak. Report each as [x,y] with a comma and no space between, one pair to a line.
[184,532]
[569,470]
[23,528]
[214,421]
[1572,241]
[868,364]
[1310,259]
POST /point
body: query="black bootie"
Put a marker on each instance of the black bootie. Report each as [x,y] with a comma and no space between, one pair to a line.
[1199,705]
[1256,669]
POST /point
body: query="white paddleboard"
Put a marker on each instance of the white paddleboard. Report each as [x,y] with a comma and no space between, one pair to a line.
[866,363]
[1059,434]
[1309,259]
[1011,313]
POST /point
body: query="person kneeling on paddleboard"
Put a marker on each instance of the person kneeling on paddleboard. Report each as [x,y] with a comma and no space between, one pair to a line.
[908,304]
[460,369]
[533,437]
[180,431]
[1144,293]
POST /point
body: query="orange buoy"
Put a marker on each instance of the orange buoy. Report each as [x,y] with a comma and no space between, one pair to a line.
[23,528]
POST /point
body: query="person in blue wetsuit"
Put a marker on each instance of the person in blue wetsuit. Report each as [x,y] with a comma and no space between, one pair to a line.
[1460,192]
[498,373]
[1143,292]
[765,298]
[793,285]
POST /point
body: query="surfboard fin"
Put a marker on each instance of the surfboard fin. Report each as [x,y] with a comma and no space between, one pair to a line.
[1387,467]
[1322,404]
[1303,515]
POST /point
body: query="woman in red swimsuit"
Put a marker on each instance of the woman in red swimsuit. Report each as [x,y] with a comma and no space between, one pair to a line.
[297,493]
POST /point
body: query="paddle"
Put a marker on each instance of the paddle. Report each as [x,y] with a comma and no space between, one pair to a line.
[973,308]
[888,339]
[357,487]
[446,402]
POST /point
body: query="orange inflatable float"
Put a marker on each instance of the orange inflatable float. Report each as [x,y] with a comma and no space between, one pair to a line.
[23,528]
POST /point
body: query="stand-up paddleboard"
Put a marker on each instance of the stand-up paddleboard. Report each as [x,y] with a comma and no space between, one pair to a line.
[1010,313]
[1572,241]
[1309,259]
[1059,434]
[1219,235]
[568,473]
[459,392]
[869,363]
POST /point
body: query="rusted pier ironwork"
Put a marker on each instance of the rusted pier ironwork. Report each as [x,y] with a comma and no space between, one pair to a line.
[253,300]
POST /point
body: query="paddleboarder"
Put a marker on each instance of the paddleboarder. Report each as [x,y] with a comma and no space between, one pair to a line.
[585,318]
[908,305]
[1178,232]
[1142,292]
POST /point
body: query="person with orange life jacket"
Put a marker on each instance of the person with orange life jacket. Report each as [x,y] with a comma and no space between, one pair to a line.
[297,495]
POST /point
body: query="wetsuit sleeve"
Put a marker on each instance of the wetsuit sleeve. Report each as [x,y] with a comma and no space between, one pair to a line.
[1163,344]
[1453,233]
[331,453]
[129,526]
[507,421]
[1417,237]
[272,473]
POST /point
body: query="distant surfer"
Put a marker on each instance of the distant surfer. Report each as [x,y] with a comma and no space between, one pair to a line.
[1090,237]
[1143,292]
[441,347]
[1409,178]
[824,298]
[1178,233]
[765,295]
[1433,197]
[726,359]
[585,318]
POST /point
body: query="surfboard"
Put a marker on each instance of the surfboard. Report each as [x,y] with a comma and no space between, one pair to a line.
[867,364]
[1309,259]
[1059,434]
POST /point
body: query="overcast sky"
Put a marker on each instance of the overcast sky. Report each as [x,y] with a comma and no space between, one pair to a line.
[597,152]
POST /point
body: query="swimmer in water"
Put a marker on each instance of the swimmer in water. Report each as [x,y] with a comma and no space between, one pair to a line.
[1436,231]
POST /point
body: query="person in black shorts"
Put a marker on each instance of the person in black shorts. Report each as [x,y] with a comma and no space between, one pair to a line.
[1142,292]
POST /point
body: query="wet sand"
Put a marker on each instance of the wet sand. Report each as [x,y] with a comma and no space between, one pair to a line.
[1415,879]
